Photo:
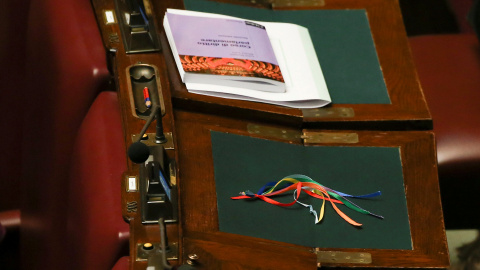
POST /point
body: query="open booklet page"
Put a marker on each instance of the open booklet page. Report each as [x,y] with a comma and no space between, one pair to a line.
[294,51]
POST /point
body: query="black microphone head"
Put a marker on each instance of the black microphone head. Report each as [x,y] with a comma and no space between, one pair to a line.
[138,152]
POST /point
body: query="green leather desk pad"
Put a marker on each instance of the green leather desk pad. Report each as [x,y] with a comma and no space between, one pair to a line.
[342,40]
[245,163]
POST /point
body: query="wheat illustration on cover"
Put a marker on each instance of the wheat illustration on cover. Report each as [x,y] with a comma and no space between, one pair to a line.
[231,67]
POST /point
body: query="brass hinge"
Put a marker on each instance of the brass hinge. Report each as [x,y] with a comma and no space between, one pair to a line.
[275,132]
[341,257]
[286,3]
[297,3]
[337,112]
[329,137]
[297,136]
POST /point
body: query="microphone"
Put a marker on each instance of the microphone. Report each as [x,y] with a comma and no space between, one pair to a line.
[139,152]
[155,190]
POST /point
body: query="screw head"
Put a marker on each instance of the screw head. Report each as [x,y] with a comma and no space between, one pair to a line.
[193,257]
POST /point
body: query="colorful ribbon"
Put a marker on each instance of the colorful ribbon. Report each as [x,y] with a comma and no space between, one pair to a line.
[299,183]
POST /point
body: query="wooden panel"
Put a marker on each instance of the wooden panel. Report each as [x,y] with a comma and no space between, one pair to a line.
[199,203]
[132,124]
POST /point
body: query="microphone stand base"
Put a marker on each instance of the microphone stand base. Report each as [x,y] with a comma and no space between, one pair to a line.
[152,141]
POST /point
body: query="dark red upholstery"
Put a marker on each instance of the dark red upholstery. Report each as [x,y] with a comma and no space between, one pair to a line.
[2,232]
[9,239]
[449,71]
[66,68]
[9,220]
[94,218]
[12,79]
[461,9]
[122,264]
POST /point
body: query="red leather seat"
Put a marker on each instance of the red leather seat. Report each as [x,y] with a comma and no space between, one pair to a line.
[12,79]
[122,263]
[449,70]
[65,222]
[94,217]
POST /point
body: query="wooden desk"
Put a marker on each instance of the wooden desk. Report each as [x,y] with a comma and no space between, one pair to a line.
[407,108]
[189,118]
[201,231]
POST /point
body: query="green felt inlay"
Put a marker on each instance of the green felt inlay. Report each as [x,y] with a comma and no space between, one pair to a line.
[245,163]
[343,43]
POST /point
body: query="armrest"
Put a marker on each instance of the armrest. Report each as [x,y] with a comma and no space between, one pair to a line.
[10,219]
[122,263]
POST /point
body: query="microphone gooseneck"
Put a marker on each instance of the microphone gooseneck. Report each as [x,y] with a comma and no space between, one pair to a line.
[139,152]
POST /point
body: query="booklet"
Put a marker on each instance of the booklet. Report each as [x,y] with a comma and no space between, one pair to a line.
[229,57]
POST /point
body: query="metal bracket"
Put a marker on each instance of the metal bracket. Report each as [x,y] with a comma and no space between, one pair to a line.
[329,113]
[150,141]
[286,3]
[143,253]
[297,3]
[340,257]
[329,137]
[274,132]
[136,24]
[307,136]
[158,196]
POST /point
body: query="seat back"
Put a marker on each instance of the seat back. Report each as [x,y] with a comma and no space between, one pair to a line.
[66,68]
[94,218]
[12,80]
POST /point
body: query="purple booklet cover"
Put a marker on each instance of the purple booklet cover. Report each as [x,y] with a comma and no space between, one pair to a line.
[223,46]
